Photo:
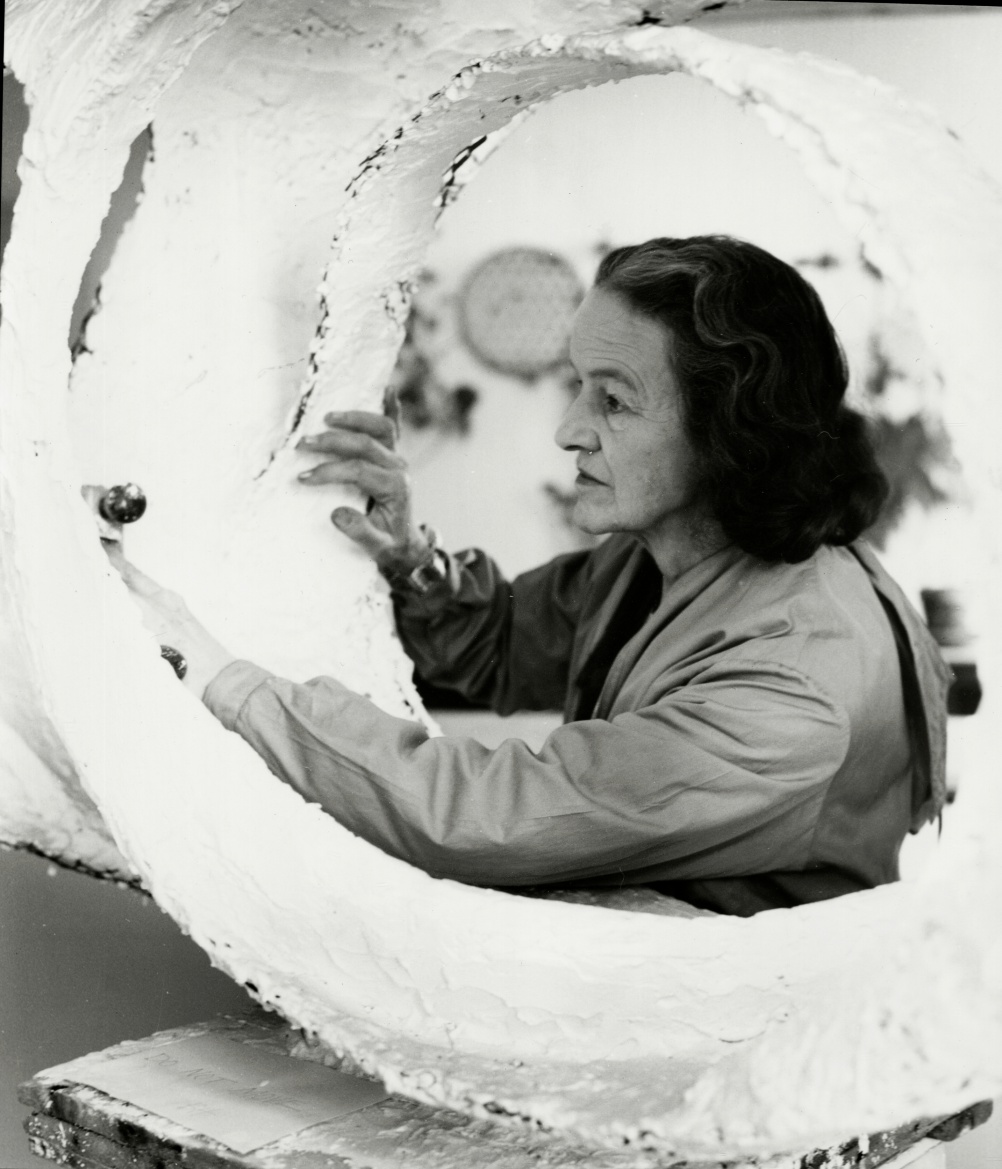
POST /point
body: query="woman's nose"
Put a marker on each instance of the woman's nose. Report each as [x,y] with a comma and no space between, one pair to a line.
[576,431]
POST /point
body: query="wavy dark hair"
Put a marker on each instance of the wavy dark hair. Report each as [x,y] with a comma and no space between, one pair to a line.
[787,465]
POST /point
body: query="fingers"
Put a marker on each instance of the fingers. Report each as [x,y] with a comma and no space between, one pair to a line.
[360,445]
[391,408]
[139,584]
[377,426]
[113,550]
[351,444]
[379,482]
[358,528]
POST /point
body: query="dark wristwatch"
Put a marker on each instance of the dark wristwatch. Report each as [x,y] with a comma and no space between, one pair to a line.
[419,580]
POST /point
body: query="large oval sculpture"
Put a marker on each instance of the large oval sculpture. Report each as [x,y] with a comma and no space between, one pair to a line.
[702,1039]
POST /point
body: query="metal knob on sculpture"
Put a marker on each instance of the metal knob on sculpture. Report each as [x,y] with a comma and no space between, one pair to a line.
[123,504]
[177,659]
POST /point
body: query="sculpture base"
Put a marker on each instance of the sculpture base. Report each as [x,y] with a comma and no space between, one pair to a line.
[81,1127]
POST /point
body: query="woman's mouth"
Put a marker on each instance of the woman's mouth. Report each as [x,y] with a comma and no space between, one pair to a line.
[586,480]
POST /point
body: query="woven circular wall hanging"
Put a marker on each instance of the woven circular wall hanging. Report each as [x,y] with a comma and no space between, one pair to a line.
[515,310]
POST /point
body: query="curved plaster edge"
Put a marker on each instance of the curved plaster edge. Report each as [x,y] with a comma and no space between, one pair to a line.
[82,123]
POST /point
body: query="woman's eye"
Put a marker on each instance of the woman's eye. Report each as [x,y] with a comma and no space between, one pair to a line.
[612,404]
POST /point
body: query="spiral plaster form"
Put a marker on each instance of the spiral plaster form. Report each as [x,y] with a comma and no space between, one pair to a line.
[710,1038]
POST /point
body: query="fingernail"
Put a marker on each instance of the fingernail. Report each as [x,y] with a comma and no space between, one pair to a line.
[309,440]
[304,474]
[332,415]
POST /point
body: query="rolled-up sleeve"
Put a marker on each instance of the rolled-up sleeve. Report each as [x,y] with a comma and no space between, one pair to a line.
[722,777]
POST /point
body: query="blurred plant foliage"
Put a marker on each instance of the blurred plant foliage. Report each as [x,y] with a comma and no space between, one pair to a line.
[426,402]
[912,451]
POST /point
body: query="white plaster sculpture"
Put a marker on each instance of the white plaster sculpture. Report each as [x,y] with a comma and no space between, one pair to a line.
[704,1039]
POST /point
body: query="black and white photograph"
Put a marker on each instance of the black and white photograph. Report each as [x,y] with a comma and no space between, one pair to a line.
[500,568]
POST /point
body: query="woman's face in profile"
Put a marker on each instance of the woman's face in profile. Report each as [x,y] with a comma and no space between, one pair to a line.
[637,471]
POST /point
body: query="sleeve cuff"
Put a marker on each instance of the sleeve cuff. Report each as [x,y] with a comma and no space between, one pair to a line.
[226,694]
[438,593]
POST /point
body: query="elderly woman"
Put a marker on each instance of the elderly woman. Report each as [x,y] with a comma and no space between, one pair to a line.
[754,715]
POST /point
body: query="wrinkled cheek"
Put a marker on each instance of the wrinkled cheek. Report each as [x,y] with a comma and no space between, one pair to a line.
[657,495]
[676,481]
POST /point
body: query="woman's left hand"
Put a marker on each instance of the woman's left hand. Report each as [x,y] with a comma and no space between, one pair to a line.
[169,619]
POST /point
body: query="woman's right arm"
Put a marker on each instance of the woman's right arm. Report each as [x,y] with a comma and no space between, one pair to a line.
[498,644]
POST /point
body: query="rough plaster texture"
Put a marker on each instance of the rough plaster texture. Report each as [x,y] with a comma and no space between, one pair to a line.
[276,128]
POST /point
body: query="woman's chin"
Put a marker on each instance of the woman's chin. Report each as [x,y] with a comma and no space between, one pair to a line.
[590,519]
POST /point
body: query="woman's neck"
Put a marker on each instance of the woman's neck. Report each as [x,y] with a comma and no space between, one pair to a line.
[681,545]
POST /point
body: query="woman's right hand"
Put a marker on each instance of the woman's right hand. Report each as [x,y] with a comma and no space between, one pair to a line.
[359,448]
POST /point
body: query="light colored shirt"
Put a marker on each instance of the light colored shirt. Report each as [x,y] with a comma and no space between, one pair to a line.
[768,736]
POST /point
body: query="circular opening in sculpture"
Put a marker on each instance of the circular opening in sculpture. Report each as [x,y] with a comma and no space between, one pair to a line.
[574,151]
